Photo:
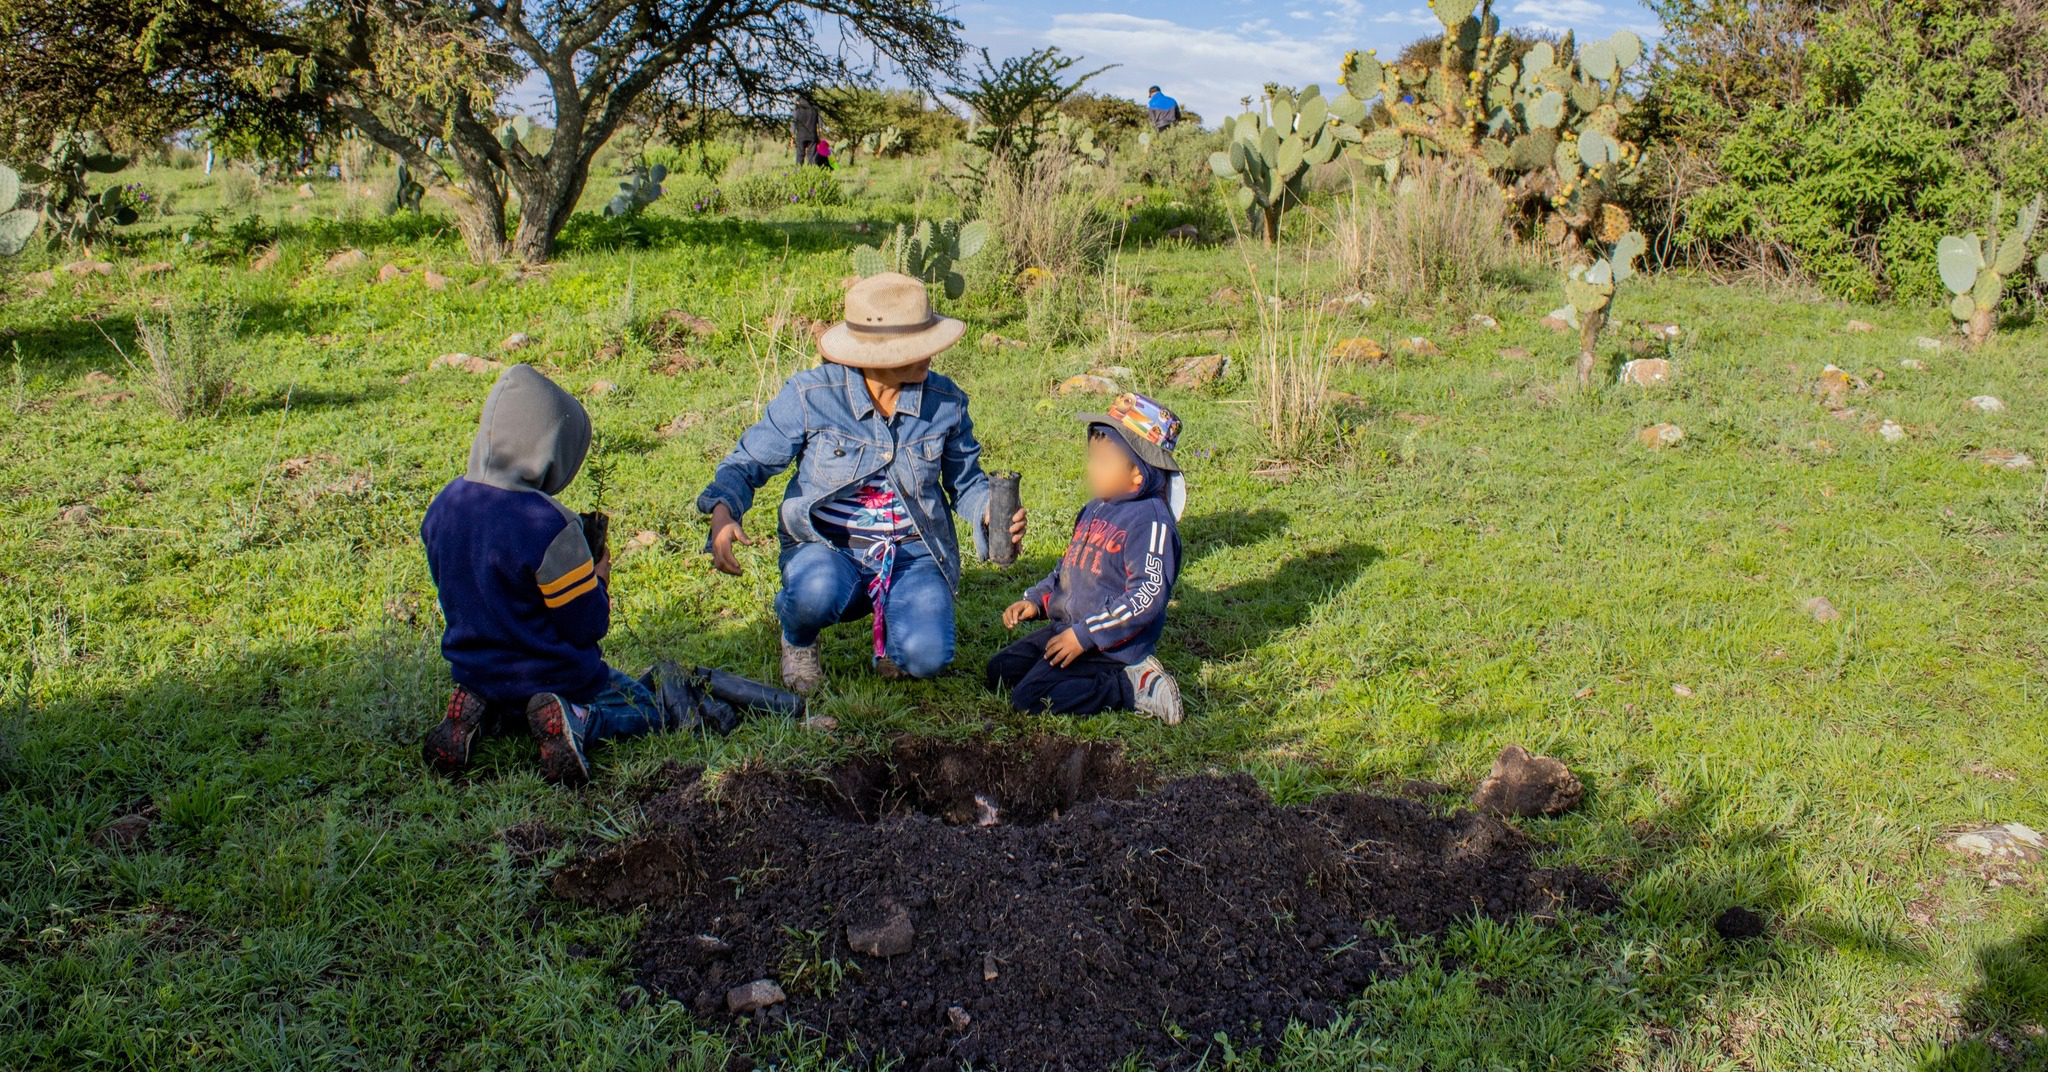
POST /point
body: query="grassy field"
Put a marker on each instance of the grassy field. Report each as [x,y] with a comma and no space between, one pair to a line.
[226,624]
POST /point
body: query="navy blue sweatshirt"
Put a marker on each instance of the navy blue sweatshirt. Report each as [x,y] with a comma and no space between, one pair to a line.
[1112,585]
[519,589]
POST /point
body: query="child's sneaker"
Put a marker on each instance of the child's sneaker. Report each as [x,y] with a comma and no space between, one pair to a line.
[1153,691]
[447,746]
[559,728]
[802,669]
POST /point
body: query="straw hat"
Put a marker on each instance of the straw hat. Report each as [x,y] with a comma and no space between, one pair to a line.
[889,323]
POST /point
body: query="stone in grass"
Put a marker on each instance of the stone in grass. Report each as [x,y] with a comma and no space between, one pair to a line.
[435,281]
[1661,435]
[2004,458]
[1859,326]
[267,259]
[958,1017]
[1088,384]
[1483,322]
[1416,344]
[1926,343]
[1358,348]
[1522,784]
[2009,842]
[758,995]
[1834,386]
[515,341]
[468,363]
[1912,364]
[1200,370]
[90,267]
[390,273]
[347,259]
[152,268]
[1990,404]
[1646,372]
[1562,319]
[1892,431]
[1515,353]
[1821,609]
[883,931]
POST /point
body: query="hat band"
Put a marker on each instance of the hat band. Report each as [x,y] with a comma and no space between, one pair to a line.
[892,329]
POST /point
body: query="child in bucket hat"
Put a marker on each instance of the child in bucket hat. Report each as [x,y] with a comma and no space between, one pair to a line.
[1105,603]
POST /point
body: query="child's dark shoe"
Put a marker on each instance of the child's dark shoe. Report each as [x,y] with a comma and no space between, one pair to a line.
[1154,693]
[447,746]
[559,729]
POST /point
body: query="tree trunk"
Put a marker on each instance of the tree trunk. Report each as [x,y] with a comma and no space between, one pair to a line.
[1980,326]
[1272,220]
[546,199]
[479,209]
[1589,338]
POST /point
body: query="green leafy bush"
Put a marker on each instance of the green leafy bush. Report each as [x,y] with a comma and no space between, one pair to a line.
[1841,143]
[790,186]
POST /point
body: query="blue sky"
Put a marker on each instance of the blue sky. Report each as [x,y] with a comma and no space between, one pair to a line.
[1211,53]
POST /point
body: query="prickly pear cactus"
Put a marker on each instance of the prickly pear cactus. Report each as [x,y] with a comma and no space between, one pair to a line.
[931,252]
[1270,152]
[639,189]
[17,225]
[1545,129]
[75,211]
[1975,270]
[514,131]
[1589,288]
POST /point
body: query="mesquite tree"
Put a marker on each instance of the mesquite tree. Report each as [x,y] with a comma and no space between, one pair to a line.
[428,79]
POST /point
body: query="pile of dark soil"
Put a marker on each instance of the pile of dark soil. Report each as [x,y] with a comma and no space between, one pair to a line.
[1049,910]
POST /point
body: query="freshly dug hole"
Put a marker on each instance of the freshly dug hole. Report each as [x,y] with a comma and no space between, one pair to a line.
[1062,914]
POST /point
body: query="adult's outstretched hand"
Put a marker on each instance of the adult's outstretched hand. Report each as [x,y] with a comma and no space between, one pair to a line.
[725,532]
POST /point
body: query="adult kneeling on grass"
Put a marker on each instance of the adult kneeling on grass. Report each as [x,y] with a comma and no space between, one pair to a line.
[885,456]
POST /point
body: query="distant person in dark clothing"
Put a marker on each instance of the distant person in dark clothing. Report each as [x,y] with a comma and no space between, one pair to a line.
[1165,110]
[803,128]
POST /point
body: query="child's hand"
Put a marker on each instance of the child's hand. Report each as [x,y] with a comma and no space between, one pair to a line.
[604,568]
[1019,612]
[1063,649]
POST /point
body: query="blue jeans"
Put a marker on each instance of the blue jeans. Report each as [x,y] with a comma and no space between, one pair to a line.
[625,709]
[823,584]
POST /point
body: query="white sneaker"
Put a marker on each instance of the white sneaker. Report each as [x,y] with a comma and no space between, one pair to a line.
[1153,691]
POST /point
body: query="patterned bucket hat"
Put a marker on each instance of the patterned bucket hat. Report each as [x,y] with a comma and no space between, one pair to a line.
[1150,429]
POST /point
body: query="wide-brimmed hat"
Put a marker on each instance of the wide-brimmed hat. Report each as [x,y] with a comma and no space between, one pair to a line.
[889,323]
[1149,429]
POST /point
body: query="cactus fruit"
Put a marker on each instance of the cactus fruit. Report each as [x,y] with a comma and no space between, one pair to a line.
[930,252]
[1974,270]
[639,189]
[1269,154]
[406,192]
[1589,289]
[1545,130]
[17,225]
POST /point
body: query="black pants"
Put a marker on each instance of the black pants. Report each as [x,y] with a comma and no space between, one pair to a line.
[1092,683]
[807,153]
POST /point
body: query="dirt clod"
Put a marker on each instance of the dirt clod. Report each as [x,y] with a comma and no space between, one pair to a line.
[1097,921]
[1736,923]
[884,932]
[1523,784]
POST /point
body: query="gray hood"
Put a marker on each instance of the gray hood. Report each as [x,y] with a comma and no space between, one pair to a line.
[533,436]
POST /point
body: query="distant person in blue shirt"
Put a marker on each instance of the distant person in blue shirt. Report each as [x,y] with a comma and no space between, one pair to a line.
[1165,110]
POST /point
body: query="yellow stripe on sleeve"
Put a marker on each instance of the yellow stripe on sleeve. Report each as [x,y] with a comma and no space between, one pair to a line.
[549,588]
[557,601]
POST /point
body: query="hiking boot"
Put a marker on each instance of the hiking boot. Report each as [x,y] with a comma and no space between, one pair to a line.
[559,728]
[802,670]
[447,746]
[887,670]
[1154,693]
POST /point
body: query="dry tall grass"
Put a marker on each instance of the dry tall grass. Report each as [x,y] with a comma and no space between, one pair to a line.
[1290,368]
[1052,216]
[191,356]
[1437,233]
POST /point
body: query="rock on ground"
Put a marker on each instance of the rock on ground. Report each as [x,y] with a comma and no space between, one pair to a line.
[1522,784]
[1821,609]
[1646,372]
[1358,348]
[1990,404]
[1200,370]
[515,341]
[1088,384]
[2004,458]
[1892,431]
[2010,842]
[1661,435]
[758,995]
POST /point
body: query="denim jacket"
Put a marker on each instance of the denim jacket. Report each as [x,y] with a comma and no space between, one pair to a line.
[825,422]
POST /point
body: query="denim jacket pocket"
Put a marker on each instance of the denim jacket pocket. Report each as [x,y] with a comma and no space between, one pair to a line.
[831,461]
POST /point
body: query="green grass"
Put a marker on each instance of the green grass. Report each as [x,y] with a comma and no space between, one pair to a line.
[1489,558]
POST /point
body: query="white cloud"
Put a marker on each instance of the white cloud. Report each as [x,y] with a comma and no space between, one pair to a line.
[1209,71]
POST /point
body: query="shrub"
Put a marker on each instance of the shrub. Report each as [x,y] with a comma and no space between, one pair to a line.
[1438,233]
[790,186]
[1290,376]
[191,356]
[1839,142]
[1049,215]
